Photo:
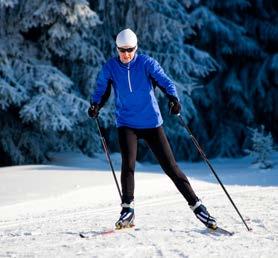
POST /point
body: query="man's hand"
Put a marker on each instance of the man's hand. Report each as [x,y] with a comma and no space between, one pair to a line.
[93,110]
[174,106]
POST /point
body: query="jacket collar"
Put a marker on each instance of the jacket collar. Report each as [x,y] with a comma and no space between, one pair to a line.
[130,64]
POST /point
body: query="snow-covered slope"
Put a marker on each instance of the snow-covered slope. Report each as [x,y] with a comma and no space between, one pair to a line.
[43,209]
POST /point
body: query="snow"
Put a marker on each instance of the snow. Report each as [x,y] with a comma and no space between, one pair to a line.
[45,207]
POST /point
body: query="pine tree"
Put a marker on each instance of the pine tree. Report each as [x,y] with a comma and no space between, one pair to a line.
[262,147]
[242,36]
[46,49]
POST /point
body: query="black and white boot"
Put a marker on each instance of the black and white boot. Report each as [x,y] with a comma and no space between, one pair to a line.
[202,214]
[127,217]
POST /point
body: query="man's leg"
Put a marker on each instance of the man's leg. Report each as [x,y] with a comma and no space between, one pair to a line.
[160,146]
[157,141]
[128,147]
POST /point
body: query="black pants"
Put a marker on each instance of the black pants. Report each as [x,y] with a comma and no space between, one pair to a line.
[158,143]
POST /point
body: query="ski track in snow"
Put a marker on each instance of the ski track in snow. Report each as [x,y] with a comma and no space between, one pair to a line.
[165,227]
[43,209]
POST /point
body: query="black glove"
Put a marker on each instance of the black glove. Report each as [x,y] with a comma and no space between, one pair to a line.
[93,110]
[174,105]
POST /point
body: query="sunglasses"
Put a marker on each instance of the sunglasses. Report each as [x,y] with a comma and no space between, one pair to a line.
[123,50]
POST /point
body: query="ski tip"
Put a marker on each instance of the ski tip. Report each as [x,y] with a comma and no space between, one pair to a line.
[223,231]
[82,235]
[96,233]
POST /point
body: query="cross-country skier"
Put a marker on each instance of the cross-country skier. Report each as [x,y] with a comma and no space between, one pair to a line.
[138,116]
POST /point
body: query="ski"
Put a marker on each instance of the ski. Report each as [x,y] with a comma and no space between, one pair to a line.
[96,233]
[222,231]
[106,232]
[91,234]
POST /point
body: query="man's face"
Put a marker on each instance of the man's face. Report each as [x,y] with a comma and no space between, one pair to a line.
[126,53]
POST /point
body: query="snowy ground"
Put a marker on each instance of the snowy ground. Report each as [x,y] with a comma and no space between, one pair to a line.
[43,209]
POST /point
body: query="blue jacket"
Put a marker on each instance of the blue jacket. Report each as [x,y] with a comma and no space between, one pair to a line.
[136,104]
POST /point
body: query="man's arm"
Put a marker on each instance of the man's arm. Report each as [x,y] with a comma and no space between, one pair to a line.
[160,79]
[103,89]
[102,92]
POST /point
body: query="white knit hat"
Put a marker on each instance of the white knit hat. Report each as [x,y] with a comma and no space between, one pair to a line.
[126,38]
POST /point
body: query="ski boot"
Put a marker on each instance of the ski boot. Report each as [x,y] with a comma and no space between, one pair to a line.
[202,214]
[127,217]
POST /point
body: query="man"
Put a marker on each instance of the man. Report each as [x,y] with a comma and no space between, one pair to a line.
[138,117]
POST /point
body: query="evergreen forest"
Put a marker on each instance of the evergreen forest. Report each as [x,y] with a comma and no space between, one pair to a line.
[222,56]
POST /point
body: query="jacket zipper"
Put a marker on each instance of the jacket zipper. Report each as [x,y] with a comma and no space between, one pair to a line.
[128,77]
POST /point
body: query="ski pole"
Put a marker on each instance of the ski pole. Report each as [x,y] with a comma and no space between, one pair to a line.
[108,157]
[197,145]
